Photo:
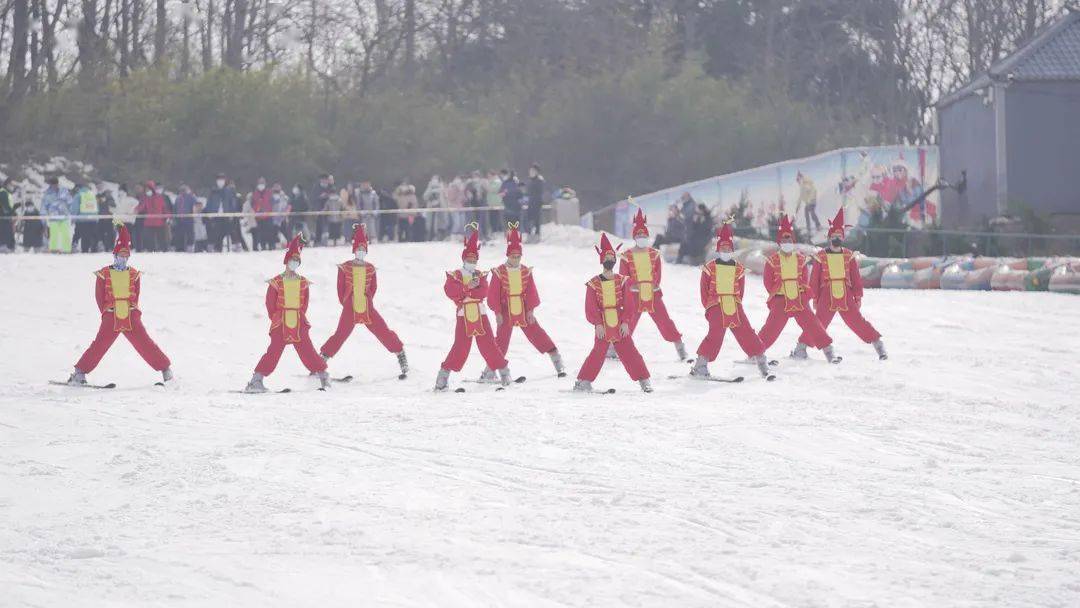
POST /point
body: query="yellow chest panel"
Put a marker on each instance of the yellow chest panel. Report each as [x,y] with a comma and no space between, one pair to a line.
[609,302]
[120,281]
[359,288]
[643,270]
[513,277]
[837,273]
[725,287]
[789,273]
[292,302]
[471,307]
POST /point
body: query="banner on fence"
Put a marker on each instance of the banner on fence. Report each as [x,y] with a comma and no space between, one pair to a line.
[810,190]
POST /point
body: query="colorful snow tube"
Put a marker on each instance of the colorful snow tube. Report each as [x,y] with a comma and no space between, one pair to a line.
[1066,278]
[969,274]
[1007,278]
[870,269]
[898,275]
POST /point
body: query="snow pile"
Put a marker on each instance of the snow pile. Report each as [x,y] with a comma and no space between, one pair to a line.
[948,475]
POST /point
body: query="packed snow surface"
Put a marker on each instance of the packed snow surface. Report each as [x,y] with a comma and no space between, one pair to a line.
[948,475]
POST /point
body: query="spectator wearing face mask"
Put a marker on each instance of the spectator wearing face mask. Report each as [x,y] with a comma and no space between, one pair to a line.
[154,208]
[262,205]
[184,227]
[298,203]
[221,200]
[56,203]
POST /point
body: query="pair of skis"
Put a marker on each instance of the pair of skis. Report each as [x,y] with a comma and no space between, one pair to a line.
[110,385]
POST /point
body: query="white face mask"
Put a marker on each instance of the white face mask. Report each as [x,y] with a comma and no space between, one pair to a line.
[787,247]
[360,253]
[220,183]
[641,241]
[468,266]
[120,262]
[293,265]
[261,187]
[727,255]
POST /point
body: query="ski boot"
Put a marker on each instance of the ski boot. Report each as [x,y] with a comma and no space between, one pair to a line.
[800,352]
[646,385]
[487,376]
[324,380]
[255,385]
[680,349]
[442,381]
[763,367]
[700,369]
[879,347]
[402,362]
[830,354]
[77,378]
[556,360]
[504,376]
[582,386]
[166,375]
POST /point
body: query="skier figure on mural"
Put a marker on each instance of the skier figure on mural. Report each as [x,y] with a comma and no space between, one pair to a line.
[836,287]
[116,290]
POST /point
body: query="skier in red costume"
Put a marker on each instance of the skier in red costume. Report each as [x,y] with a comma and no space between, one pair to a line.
[512,295]
[467,288]
[287,297]
[836,286]
[788,287]
[116,290]
[723,281]
[356,285]
[606,298]
[641,266]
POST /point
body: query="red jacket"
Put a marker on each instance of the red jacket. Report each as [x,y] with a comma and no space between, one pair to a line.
[153,204]
[262,203]
[594,305]
[774,284]
[849,286]
[498,295]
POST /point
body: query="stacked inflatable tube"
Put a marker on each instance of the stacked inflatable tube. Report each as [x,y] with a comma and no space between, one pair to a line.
[1066,278]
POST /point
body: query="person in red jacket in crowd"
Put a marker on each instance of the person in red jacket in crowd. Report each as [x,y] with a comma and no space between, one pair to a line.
[641,266]
[356,285]
[723,282]
[606,297]
[788,288]
[152,204]
[116,290]
[467,288]
[262,205]
[512,295]
[287,297]
[836,286]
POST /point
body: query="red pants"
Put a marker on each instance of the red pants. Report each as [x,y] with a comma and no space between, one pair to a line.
[345,327]
[459,352]
[138,337]
[744,335]
[813,333]
[659,315]
[311,359]
[628,354]
[536,335]
[854,319]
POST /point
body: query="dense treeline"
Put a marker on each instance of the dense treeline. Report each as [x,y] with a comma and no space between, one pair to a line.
[612,96]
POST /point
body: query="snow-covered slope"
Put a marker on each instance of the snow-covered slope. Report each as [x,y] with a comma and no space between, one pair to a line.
[948,475]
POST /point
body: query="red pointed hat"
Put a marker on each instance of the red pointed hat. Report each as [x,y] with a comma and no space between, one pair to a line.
[725,235]
[472,245]
[640,227]
[784,228]
[513,239]
[295,246]
[359,237]
[837,226]
[123,241]
[605,247]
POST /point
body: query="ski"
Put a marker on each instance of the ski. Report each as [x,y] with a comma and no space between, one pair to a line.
[606,391]
[734,380]
[97,386]
[771,362]
[278,392]
[343,379]
[518,380]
